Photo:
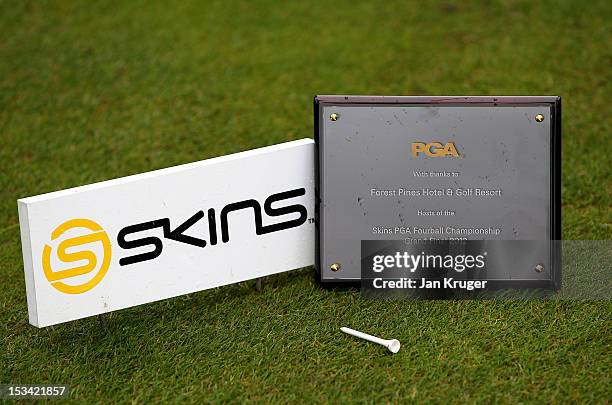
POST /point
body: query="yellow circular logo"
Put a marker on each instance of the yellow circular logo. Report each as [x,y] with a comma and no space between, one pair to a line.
[97,234]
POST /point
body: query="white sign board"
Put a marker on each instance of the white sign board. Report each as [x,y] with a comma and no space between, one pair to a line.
[124,242]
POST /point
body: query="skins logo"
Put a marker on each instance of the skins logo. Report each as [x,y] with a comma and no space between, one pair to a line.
[178,233]
[98,234]
[95,234]
[434,149]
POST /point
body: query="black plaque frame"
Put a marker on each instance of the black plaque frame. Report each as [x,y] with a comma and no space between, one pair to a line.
[554,102]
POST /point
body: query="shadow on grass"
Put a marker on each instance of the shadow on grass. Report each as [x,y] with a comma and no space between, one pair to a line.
[152,321]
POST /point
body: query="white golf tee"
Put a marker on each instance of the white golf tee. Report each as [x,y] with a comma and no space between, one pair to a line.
[392,344]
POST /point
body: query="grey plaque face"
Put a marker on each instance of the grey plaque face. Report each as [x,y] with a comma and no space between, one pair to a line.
[443,168]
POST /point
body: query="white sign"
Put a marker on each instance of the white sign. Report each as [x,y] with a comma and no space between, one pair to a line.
[124,242]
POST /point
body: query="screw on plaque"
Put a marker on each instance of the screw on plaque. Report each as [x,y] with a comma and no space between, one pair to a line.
[335,266]
[334,116]
[539,118]
[539,268]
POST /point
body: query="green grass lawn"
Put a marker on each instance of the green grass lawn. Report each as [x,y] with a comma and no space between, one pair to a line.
[100,90]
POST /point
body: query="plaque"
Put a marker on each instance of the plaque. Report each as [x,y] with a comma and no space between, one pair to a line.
[393,170]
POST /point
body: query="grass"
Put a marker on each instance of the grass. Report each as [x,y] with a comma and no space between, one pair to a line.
[97,90]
